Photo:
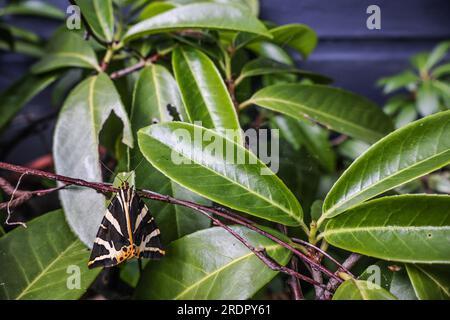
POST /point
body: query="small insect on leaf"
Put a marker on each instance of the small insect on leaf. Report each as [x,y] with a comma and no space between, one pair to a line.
[128,230]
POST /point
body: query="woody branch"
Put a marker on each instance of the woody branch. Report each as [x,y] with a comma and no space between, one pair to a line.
[210,212]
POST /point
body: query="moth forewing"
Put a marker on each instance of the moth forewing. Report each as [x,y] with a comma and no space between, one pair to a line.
[127,231]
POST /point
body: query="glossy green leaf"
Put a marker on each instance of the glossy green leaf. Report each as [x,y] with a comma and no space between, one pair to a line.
[33,8]
[437,54]
[407,228]
[390,277]
[67,49]
[44,261]
[20,93]
[211,165]
[340,110]
[398,81]
[361,290]
[199,15]
[263,66]
[404,155]
[298,36]
[100,17]
[210,264]
[155,8]
[251,5]
[154,90]
[406,115]
[430,282]
[75,149]
[313,137]
[203,91]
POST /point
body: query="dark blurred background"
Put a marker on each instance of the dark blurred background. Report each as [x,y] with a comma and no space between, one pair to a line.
[352,55]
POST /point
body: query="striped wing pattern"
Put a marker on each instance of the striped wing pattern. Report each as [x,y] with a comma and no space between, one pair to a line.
[128,230]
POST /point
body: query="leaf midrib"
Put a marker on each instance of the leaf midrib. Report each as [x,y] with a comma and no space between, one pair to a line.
[217,271]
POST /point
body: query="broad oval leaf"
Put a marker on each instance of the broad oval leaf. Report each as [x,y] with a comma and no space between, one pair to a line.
[298,36]
[75,149]
[20,93]
[199,15]
[361,290]
[337,109]
[99,15]
[211,170]
[67,49]
[263,66]
[203,91]
[430,282]
[210,264]
[404,155]
[37,261]
[155,8]
[407,228]
[154,90]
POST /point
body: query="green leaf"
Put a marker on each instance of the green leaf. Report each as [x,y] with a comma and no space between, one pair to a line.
[75,149]
[407,228]
[263,66]
[208,168]
[203,91]
[395,280]
[427,99]
[352,148]
[406,115]
[361,290]
[155,8]
[440,182]
[398,81]
[210,264]
[154,90]
[430,282]
[22,47]
[441,71]
[67,49]
[298,36]
[404,155]
[313,137]
[20,93]
[199,15]
[271,51]
[100,17]
[33,8]
[43,261]
[340,110]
